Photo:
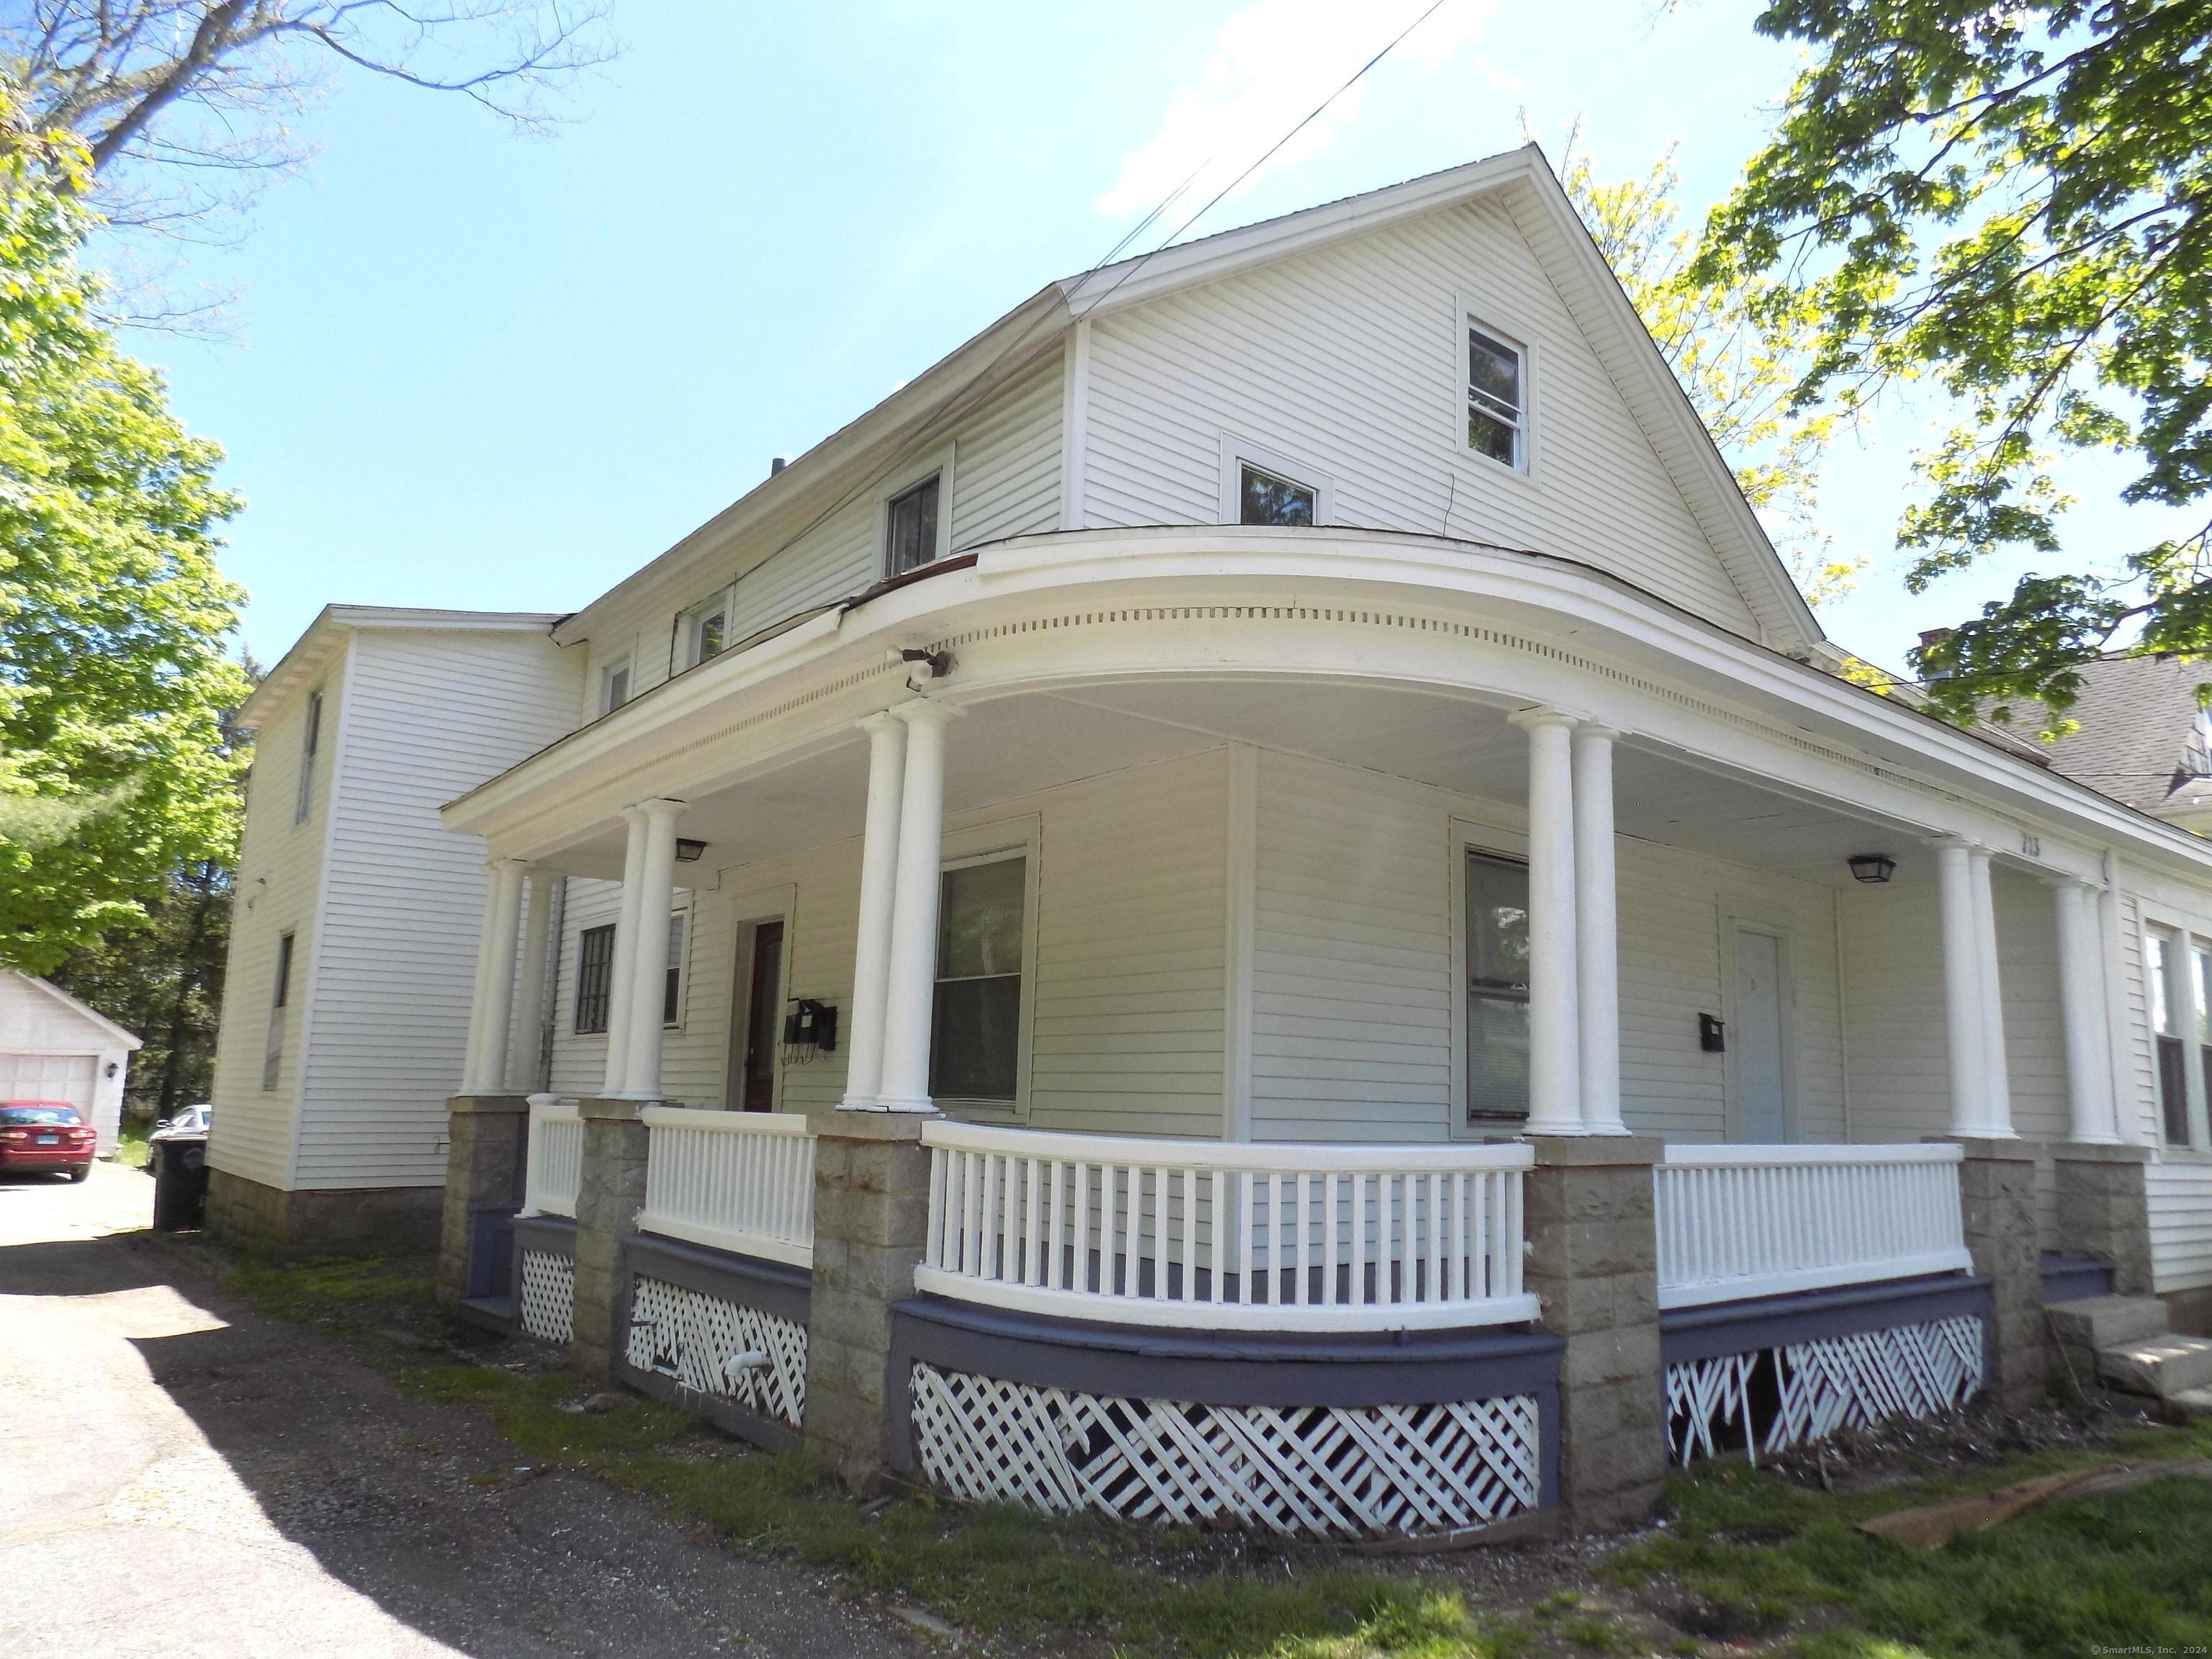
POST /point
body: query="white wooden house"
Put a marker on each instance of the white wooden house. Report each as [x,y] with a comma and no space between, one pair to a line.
[1266,751]
[354,938]
[52,1048]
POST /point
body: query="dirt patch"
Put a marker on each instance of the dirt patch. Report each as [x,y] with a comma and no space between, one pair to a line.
[1958,1442]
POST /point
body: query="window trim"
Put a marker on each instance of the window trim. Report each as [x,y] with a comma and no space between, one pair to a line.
[311,738]
[280,999]
[692,619]
[576,1027]
[2182,940]
[1470,315]
[989,843]
[897,483]
[680,916]
[625,665]
[1466,836]
[1238,452]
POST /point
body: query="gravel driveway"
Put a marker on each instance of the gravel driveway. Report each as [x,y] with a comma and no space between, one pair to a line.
[181,1477]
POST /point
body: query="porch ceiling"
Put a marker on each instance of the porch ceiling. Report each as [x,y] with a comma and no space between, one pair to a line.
[1012,747]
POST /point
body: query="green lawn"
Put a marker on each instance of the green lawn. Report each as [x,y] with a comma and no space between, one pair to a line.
[1748,1562]
[133,1144]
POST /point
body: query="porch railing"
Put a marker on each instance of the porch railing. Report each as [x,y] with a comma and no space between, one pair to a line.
[555,1172]
[1225,1235]
[1745,1221]
[733,1181]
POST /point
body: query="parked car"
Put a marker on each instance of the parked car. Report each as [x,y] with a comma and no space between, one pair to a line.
[46,1135]
[192,1120]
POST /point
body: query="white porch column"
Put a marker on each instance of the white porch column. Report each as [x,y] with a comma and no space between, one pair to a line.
[621,971]
[530,1002]
[1996,1099]
[1597,931]
[494,1011]
[656,880]
[871,945]
[1555,1106]
[1962,986]
[2081,1013]
[911,980]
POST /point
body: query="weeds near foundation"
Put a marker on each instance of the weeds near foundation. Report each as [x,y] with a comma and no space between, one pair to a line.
[1750,1556]
[1748,1561]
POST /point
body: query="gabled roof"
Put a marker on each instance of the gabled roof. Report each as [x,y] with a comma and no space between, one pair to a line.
[106,1027]
[1522,179]
[335,623]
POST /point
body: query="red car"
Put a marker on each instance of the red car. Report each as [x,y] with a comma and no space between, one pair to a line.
[46,1135]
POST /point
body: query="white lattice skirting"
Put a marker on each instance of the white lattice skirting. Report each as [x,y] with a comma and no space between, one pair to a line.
[1838,1381]
[753,1359]
[1321,1471]
[548,1295]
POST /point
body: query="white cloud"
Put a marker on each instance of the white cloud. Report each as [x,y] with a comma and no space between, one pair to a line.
[1272,64]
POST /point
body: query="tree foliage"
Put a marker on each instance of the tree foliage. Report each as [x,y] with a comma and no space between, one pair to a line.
[1738,348]
[114,772]
[2011,203]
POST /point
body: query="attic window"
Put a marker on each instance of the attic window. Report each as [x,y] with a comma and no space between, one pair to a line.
[1496,403]
[1263,498]
[910,528]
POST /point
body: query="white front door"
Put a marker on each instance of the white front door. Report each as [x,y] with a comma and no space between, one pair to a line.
[1756,1039]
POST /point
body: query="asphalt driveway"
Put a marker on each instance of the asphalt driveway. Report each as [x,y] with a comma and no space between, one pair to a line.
[181,1477]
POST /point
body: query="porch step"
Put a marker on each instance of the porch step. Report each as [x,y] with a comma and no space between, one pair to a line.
[2106,1321]
[2190,1404]
[2161,1366]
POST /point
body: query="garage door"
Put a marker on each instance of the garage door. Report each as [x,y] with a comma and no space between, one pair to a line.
[49,1077]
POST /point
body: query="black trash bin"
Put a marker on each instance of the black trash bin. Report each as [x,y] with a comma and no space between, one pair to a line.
[179,1182]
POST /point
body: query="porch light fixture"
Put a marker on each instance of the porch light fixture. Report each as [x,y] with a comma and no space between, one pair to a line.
[1873,868]
[690,852]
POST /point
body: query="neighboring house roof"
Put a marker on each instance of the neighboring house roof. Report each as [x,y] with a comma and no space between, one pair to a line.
[2140,735]
[110,1034]
[788,500]
[333,623]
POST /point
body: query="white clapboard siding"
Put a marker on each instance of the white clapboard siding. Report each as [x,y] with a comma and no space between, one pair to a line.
[2180,1225]
[433,713]
[1132,932]
[279,867]
[2141,1120]
[1351,1003]
[1350,360]
[1005,481]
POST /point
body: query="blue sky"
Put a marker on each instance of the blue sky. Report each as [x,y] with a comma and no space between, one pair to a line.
[469,369]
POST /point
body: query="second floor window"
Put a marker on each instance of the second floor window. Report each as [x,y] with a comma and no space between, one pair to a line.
[706,631]
[911,528]
[614,688]
[1495,422]
[310,737]
[595,973]
[1264,498]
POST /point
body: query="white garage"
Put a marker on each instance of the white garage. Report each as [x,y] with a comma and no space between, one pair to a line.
[54,1048]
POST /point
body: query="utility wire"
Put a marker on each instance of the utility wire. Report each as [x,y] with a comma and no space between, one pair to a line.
[951,409]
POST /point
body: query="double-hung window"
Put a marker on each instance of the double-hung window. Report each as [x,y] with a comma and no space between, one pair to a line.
[614,686]
[2177,974]
[975,1049]
[310,737]
[280,994]
[672,986]
[1497,991]
[595,973]
[910,527]
[1496,400]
